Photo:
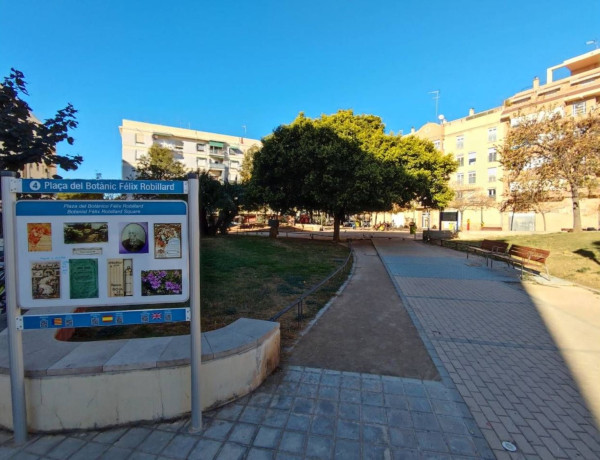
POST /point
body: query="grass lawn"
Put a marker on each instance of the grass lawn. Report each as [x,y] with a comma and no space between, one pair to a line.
[252,277]
[573,256]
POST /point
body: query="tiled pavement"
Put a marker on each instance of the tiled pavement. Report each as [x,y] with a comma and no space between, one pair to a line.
[496,349]
[298,413]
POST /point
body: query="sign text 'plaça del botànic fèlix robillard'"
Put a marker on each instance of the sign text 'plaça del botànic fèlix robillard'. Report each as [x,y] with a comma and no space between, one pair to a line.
[102,186]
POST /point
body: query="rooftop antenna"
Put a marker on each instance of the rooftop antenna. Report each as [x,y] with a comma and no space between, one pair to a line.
[436,96]
[592,42]
[244,126]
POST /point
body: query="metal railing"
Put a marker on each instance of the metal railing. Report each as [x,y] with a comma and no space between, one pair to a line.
[298,304]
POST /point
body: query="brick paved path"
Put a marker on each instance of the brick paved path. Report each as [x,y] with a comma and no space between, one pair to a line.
[496,349]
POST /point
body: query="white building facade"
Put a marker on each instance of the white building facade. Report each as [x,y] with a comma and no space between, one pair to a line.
[220,155]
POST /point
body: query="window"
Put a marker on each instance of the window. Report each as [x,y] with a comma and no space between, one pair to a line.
[235,164]
[460,178]
[579,108]
[472,177]
[139,138]
[437,144]
[200,147]
[472,157]
[492,192]
[492,174]
[460,142]
[492,154]
[492,135]
[200,163]
[178,145]
[461,159]
[139,154]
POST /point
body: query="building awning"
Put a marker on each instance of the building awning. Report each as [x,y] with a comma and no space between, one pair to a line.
[216,144]
[163,134]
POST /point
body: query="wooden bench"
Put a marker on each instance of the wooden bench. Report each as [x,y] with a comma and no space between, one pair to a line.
[489,249]
[431,236]
[525,256]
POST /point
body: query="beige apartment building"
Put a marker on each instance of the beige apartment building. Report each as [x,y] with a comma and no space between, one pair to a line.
[220,155]
[474,140]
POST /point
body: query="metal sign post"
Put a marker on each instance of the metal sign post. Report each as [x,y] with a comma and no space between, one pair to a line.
[195,337]
[15,340]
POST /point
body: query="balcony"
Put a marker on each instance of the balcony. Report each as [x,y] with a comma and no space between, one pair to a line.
[212,166]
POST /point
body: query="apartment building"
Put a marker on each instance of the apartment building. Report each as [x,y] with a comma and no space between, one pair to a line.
[474,140]
[220,155]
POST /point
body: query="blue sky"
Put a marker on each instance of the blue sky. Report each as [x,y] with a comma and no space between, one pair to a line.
[219,65]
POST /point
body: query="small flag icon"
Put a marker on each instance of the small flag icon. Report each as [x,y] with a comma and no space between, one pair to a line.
[107,319]
[57,322]
[156,316]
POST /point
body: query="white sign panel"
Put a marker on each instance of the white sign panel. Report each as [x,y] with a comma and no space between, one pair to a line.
[89,253]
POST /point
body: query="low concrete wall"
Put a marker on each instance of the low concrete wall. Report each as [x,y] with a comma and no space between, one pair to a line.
[89,385]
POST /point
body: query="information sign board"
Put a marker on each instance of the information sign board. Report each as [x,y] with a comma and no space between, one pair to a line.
[92,253]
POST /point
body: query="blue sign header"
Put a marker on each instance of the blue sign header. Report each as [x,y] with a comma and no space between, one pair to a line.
[103,186]
[100,208]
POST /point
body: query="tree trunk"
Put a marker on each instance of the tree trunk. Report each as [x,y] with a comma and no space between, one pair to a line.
[543,219]
[576,209]
[336,228]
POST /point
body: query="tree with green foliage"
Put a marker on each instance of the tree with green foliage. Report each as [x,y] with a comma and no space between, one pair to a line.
[304,165]
[219,204]
[159,164]
[24,139]
[247,162]
[562,152]
[422,172]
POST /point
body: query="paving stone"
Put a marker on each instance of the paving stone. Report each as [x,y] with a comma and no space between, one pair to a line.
[372,414]
[375,434]
[328,408]
[267,437]
[346,450]
[326,392]
[66,448]
[371,398]
[110,436]
[90,451]
[350,382]
[399,418]
[206,449]
[180,446]
[350,395]
[349,411]
[155,442]
[461,445]
[282,402]
[44,444]
[303,406]
[298,422]
[323,425]
[376,452]
[243,433]
[252,415]
[231,451]
[406,454]
[403,438]
[348,430]
[393,386]
[415,389]
[230,412]
[319,447]
[260,454]
[431,440]
[275,418]
[142,456]
[134,437]
[218,429]
[453,425]
[116,453]
[419,404]
[333,380]
[425,421]
[307,390]
[396,401]
[292,442]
